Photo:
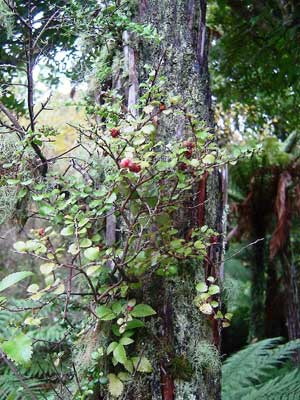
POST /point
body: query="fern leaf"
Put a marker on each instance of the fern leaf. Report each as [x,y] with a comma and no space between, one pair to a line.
[256,371]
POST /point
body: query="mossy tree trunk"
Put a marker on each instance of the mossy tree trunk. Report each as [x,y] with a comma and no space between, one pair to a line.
[183,344]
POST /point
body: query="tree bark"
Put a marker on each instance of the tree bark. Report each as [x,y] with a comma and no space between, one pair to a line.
[181,343]
[274,304]
[292,313]
[183,348]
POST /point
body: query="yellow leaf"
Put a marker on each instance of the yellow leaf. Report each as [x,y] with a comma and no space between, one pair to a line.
[115,385]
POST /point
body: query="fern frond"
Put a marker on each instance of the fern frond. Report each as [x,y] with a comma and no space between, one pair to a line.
[12,389]
[240,366]
[41,366]
[258,369]
[53,333]
[285,387]
[6,320]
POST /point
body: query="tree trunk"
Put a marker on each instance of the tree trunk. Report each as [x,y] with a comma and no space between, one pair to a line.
[257,327]
[184,344]
[292,313]
[274,304]
[181,343]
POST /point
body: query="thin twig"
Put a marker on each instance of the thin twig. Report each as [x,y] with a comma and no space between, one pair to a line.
[243,248]
[44,28]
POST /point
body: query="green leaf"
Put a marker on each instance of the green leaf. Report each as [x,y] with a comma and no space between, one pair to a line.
[73,249]
[129,366]
[67,231]
[33,288]
[199,245]
[115,330]
[117,307]
[27,182]
[204,296]
[115,385]
[12,181]
[22,193]
[126,341]
[85,242]
[105,313]
[47,268]
[46,210]
[195,163]
[142,364]
[120,354]
[214,289]
[209,159]
[142,310]
[174,100]
[229,316]
[135,323]
[13,278]
[148,129]
[92,253]
[37,197]
[83,222]
[111,198]
[18,349]
[20,246]
[124,376]
[93,269]
[111,347]
[219,315]
[201,287]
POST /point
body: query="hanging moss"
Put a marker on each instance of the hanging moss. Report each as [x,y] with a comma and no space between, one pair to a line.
[205,358]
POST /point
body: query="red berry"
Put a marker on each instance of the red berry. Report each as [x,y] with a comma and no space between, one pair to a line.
[188,154]
[162,106]
[134,167]
[114,132]
[190,145]
[182,166]
[42,232]
[130,308]
[125,163]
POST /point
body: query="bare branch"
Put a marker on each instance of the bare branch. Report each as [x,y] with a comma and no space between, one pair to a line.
[11,117]
[44,28]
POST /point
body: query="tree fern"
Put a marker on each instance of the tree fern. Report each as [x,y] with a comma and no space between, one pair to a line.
[41,375]
[286,387]
[12,389]
[257,372]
